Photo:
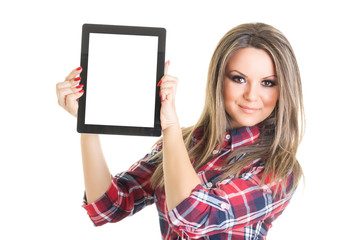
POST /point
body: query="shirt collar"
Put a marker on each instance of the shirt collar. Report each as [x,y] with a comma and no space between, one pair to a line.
[243,136]
[235,138]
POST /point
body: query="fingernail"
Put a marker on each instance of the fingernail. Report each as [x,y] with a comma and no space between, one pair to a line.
[77,79]
[79,68]
[80,86]
[81,91]
[159,83]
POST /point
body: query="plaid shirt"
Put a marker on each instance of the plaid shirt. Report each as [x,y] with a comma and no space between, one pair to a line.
[235,208]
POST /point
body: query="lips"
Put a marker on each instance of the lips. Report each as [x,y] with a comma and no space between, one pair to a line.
[248,109]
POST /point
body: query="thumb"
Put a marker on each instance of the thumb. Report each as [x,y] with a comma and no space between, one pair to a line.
[167,64]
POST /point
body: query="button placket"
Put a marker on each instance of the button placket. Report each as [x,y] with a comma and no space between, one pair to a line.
[223,206]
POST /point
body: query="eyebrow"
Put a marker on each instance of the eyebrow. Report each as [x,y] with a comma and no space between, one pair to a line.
[247,76]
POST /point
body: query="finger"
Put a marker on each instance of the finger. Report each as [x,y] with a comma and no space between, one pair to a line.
[167,64]
[168,82]
[168,85]
[73,74]
[163,95]
[61,97]
[64,92]
[167,94]
[167,78]
[72,104]
[72,98]
[67,84]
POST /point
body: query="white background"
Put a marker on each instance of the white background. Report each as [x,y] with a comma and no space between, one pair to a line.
[41,173]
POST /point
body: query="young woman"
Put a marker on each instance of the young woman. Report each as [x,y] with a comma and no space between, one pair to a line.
[231,174]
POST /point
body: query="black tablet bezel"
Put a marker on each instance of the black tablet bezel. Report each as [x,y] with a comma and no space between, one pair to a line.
[127,30]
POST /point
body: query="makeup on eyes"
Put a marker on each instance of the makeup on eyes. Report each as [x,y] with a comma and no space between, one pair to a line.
[235,75]
[236,78]
[272,82]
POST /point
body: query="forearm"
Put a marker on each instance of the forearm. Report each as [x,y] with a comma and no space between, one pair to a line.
[179,175]
[97,176]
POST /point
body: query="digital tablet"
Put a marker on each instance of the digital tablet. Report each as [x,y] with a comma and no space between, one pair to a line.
[121,68]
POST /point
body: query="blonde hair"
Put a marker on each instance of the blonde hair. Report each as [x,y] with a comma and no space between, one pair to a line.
[280,133]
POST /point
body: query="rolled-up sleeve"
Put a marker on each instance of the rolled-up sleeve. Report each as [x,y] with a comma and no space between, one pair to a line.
[233,203]
[128,193]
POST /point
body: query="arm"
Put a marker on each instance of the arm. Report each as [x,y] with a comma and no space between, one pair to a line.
[231,205]
[96,173]
[179,175]
[97,176]
[128,193]
[107,199]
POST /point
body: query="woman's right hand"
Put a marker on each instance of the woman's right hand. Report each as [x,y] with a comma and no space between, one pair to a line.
[69,91]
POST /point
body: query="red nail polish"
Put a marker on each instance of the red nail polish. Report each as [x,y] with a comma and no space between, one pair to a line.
[77,79]
[81,91]
[79,68]
[159,83]
[80,86]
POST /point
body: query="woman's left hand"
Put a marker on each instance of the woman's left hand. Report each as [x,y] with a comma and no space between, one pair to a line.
[168,84]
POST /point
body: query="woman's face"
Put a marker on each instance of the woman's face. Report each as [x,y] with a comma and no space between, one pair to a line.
[250,87]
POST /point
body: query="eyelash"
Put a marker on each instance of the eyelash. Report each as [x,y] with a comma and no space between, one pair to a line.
[271,83]
[237,80]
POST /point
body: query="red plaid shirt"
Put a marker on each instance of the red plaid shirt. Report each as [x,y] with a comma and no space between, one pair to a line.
[235,208]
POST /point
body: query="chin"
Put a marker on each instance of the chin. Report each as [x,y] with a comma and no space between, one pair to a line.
[239,124]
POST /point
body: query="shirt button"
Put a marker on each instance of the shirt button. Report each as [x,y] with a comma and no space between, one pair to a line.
[215,152]
[223,205]
[227,136]
[209,184]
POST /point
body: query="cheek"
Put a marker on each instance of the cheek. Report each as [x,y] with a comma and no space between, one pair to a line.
[270,98]
[231,91]
[227,92]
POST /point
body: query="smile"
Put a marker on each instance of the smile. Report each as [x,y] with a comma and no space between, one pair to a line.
[247,109]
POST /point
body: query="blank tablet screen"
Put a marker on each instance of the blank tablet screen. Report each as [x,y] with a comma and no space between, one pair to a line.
[121,69]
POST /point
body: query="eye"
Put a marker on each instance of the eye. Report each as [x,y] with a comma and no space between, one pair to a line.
[238,79]
[268,83]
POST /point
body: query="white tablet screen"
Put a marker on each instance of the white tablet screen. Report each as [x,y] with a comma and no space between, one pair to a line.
[121,80]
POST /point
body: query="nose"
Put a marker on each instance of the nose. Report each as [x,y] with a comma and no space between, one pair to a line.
[251,92]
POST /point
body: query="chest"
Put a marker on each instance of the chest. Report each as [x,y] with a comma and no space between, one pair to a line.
[209,174]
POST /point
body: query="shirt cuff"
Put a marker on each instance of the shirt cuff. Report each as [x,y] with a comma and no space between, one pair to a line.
[188,216]
[104,203]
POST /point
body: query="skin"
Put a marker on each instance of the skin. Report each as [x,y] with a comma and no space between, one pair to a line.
[249,90]
[97,177]
[176,161]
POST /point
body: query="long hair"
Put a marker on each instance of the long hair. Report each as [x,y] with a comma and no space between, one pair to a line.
[280,133]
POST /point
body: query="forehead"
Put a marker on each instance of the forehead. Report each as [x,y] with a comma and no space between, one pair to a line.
[252,62]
